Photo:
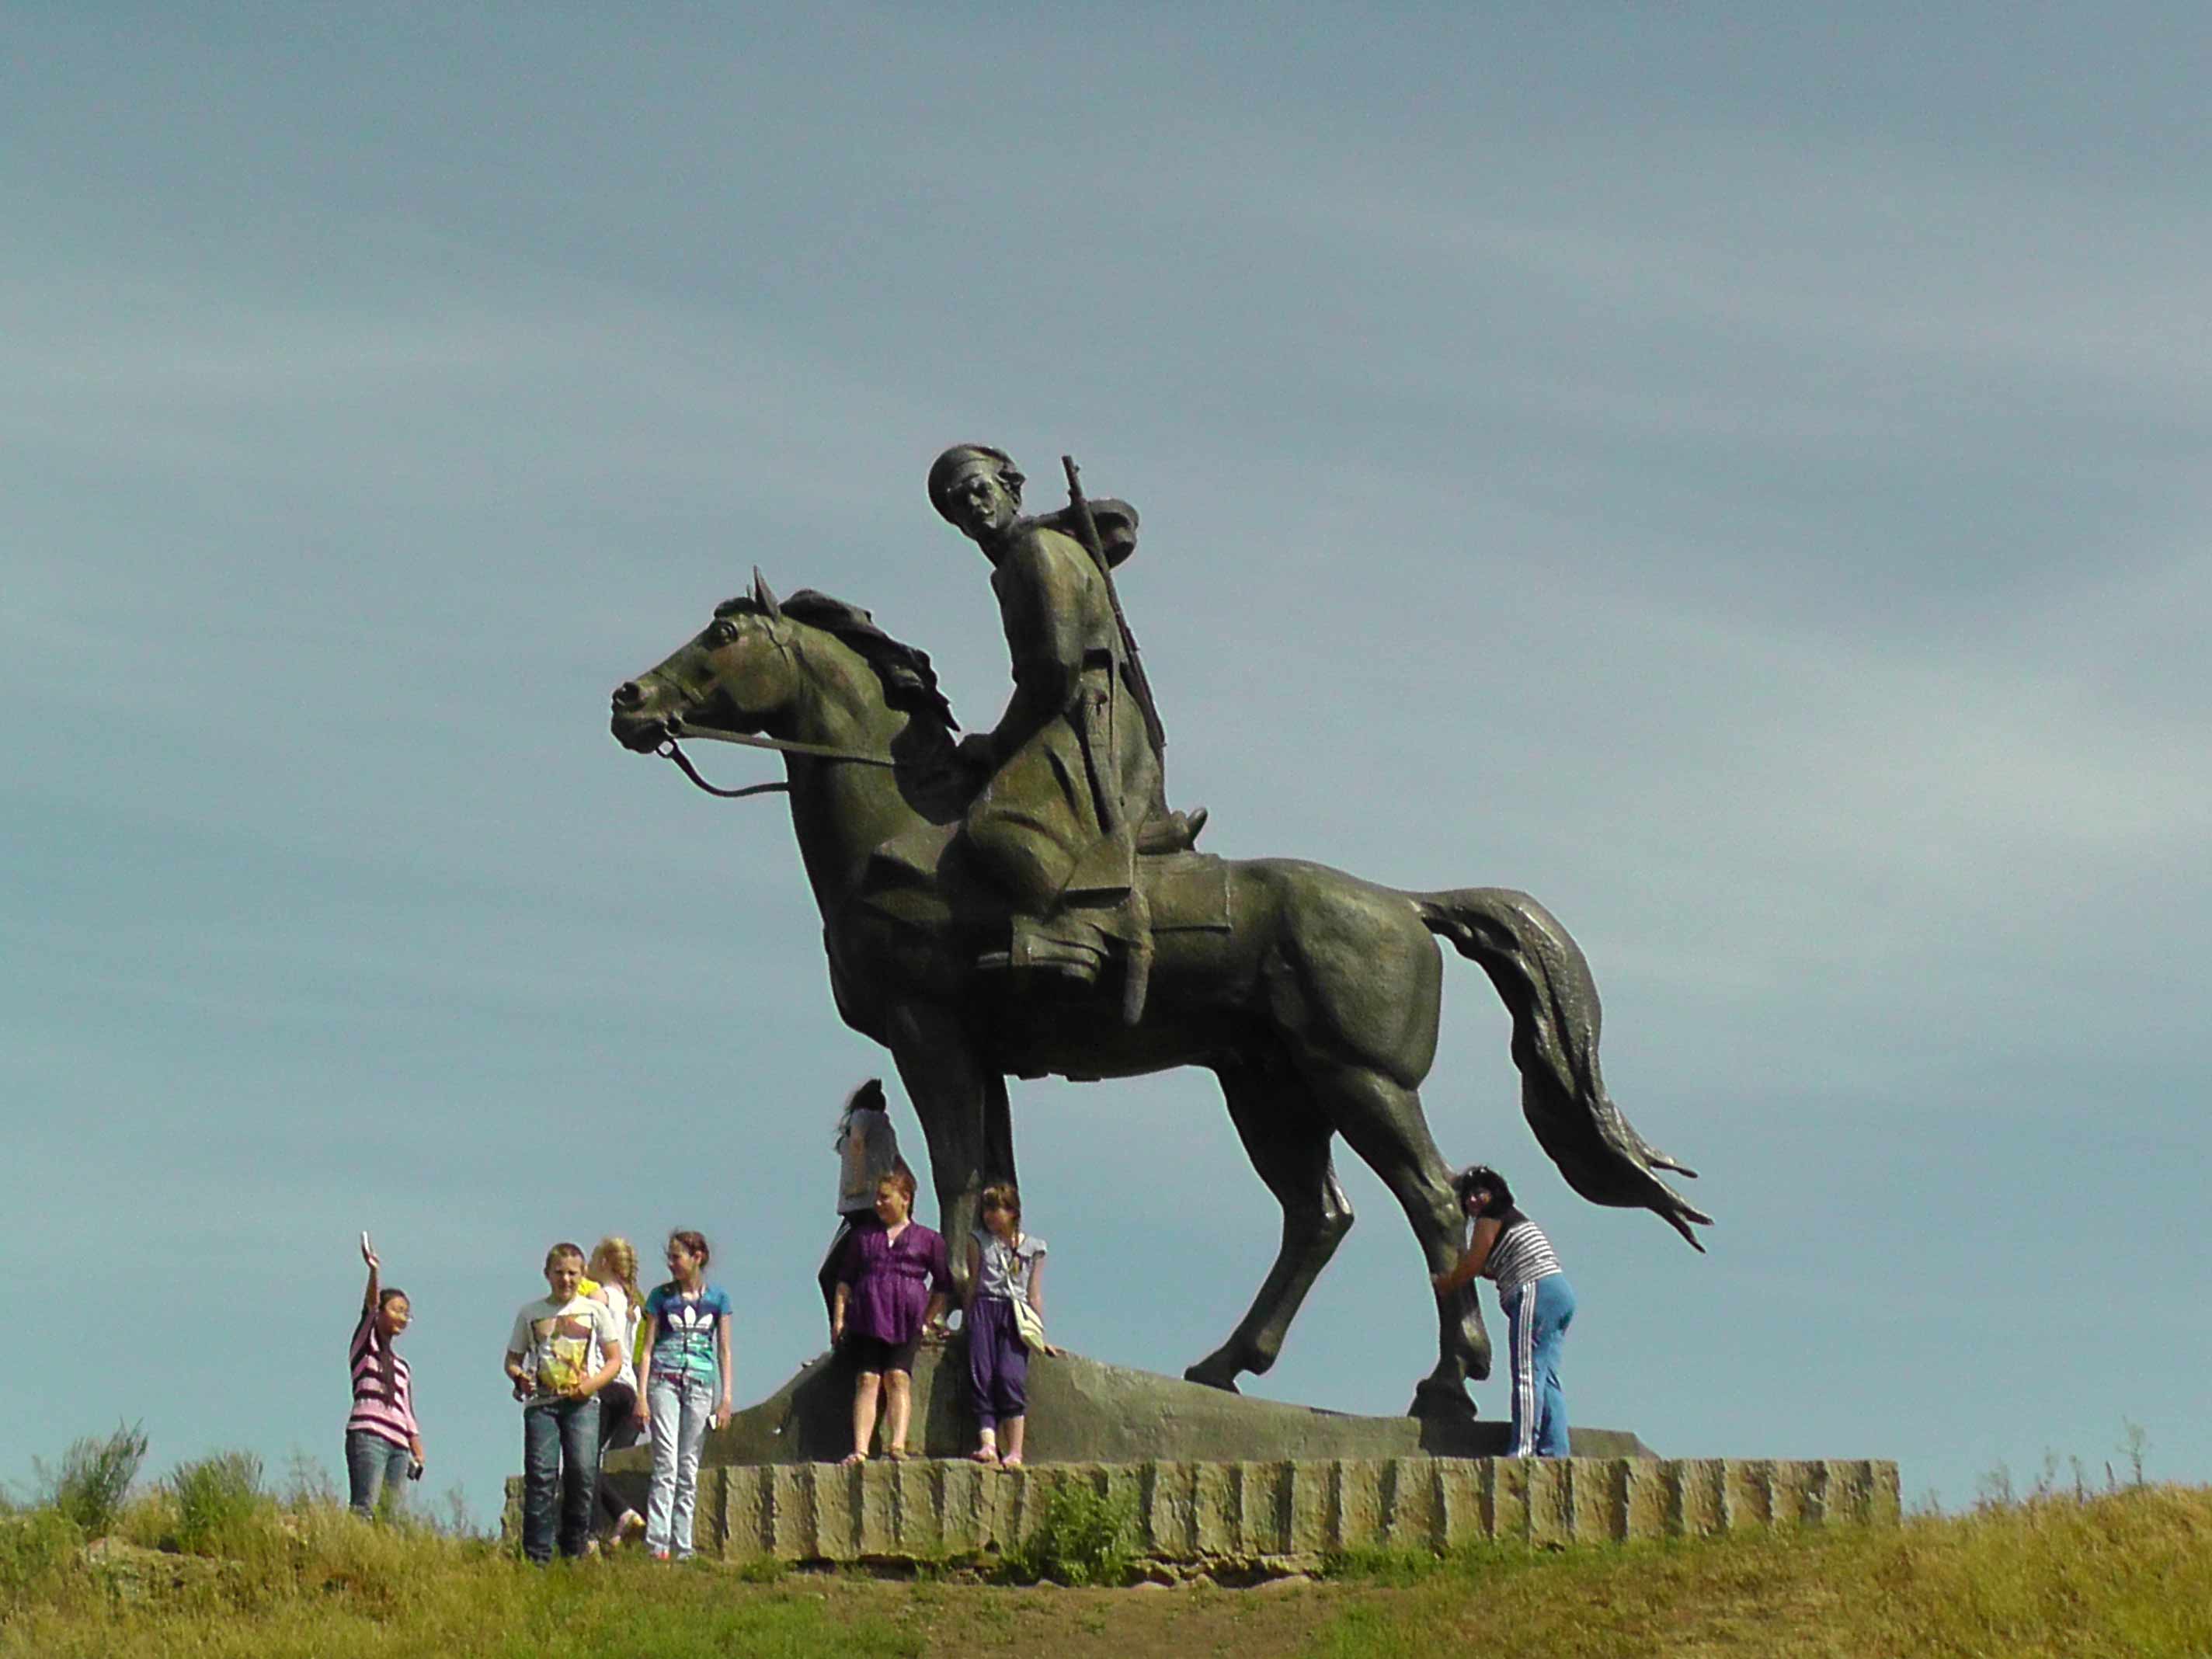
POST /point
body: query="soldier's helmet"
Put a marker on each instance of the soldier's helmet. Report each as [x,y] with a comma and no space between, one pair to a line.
[958,460]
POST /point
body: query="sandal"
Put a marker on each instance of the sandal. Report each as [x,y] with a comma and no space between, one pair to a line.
[896,1455]
[851,1460]
[986,1455]
[1012,1460]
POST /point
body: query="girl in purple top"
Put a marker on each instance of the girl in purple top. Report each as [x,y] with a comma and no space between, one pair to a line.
[892,1288]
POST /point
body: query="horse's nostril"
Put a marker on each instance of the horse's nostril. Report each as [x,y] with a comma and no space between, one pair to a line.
[628,695]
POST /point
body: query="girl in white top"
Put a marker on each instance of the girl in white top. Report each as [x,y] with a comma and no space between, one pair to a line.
[1005,1265]
[1506,1247]
[867,1151]
[614,1265]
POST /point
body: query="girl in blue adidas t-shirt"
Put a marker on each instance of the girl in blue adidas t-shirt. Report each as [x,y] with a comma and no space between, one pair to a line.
[682,1384]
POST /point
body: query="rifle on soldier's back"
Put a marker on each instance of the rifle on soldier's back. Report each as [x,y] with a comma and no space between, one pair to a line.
[1139,687]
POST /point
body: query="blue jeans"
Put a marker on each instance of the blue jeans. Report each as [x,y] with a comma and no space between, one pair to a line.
[680,1404]
[560,1452]
[375,1469]
[1537,1315]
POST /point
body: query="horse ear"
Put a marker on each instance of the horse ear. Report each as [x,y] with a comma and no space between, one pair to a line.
[764,597]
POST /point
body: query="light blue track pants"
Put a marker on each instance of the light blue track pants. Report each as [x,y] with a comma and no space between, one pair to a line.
[1537,1315]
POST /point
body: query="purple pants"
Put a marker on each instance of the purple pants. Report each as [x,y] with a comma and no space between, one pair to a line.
[998,1363]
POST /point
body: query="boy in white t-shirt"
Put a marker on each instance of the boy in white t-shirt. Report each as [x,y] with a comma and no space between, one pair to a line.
[564,1348]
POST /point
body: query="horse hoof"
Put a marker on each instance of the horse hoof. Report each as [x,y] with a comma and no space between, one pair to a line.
[1199,1374]
[1442,1402]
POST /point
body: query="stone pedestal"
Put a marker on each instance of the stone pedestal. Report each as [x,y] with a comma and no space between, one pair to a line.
[1084,1411]
[1214,1481]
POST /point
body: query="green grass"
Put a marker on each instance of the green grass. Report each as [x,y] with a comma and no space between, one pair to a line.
[220,1508]
[1082,1538]
[208,1563]
[2122,1573]
[317,1581]
[94,1479]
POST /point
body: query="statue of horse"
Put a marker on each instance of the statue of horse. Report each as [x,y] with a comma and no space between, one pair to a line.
[1312,996]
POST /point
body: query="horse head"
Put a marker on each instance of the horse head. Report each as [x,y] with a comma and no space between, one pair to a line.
[737,674]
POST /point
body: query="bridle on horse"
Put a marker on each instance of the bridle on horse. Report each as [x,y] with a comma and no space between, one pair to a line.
[671,750]
[785,645]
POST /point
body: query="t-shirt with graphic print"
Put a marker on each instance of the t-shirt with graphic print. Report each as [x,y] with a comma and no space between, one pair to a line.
[563,1342]
[683,1329]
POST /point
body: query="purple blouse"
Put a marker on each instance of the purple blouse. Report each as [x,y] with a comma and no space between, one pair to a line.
[892,1279]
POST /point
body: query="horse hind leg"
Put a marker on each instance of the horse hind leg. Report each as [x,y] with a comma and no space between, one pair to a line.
[1382,1120]
[1287,1140]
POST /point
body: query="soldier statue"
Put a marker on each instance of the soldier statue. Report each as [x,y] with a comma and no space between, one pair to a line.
[983,901]
[1074,786]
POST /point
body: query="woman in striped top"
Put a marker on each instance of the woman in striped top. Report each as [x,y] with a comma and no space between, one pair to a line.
[1511,1251]
[383,1444]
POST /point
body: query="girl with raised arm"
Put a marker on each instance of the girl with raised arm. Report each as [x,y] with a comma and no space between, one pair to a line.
[383,1446]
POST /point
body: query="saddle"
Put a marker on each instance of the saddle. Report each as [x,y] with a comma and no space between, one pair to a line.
[920,880]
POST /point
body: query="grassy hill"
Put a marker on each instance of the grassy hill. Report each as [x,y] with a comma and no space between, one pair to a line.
[206,1565]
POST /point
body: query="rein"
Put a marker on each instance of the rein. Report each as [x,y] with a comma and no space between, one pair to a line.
[672,750]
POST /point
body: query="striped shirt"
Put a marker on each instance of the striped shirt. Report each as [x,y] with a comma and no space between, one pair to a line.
[1521,1255]
[389,1417]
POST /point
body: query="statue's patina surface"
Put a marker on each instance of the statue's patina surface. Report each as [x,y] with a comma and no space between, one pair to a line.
[1024,904]
[1074,772]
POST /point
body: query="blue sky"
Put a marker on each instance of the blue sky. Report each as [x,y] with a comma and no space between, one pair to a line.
[1740,480]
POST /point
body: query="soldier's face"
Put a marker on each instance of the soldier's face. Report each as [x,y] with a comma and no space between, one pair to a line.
[981,504]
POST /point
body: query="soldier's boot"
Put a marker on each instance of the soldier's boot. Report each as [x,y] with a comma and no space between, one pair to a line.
[1058,947]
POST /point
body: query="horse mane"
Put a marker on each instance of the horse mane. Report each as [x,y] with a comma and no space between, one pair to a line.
[910,683]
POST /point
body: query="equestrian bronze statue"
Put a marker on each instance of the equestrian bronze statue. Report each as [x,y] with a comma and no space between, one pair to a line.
[1027,905]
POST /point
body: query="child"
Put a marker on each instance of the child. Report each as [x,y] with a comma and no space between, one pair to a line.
[878,1316]
[1004,1263]
[382,1440]
[614,1265]
[1510,1250]
[564,1348]
[867,1151]
[684,1380]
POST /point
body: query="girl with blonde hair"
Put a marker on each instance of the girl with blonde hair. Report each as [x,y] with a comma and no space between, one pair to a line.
[614,1265]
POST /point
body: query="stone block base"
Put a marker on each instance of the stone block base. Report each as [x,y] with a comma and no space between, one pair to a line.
[1289,1512]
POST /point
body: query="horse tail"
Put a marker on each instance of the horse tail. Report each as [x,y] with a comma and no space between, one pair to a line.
[1540,973]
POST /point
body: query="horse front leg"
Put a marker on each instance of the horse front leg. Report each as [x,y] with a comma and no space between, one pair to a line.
[956,1100]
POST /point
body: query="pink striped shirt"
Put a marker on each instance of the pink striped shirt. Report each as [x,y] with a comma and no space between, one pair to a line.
[389,1417]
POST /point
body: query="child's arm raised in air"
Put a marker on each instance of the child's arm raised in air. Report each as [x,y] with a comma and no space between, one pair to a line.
[375,1284]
